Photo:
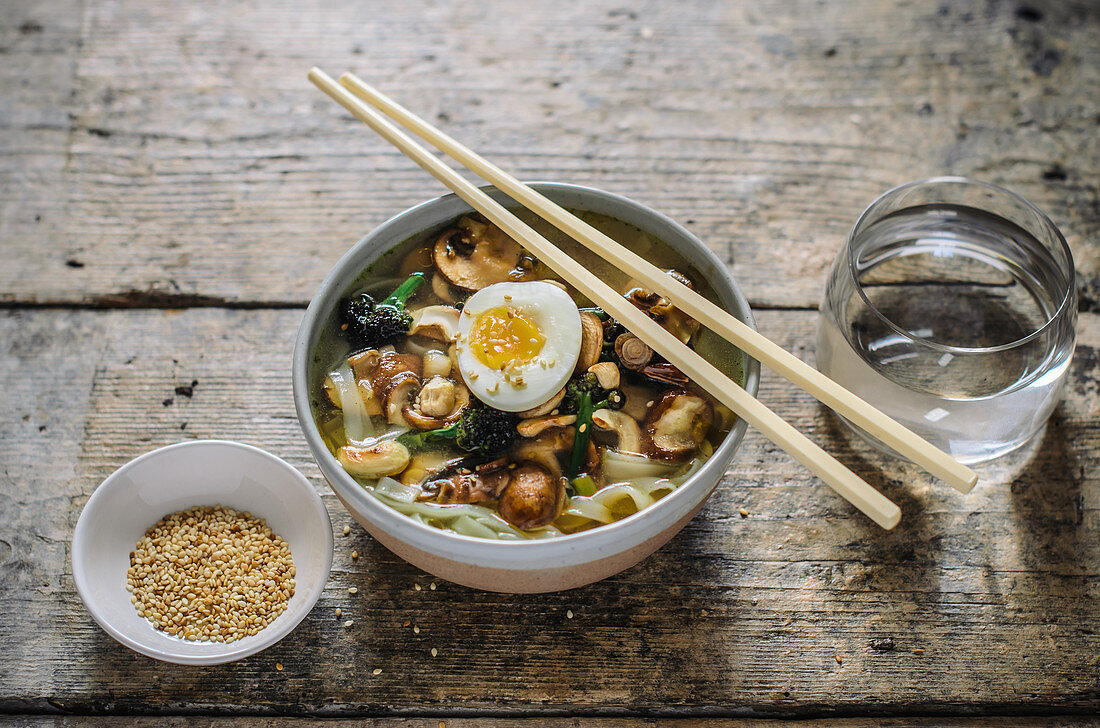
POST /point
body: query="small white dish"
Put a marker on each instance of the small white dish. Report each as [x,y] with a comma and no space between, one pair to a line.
[181,476]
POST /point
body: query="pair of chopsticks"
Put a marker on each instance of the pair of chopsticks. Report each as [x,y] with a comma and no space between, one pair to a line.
[354,92]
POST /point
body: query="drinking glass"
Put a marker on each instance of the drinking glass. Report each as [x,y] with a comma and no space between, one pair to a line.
[952,308]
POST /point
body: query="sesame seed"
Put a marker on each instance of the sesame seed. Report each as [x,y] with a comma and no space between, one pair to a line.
[416,586]
[432,586]
[205,573]
[279,666]
[377,671]
[406,623]
[569,614]
[416,630]
[435,652]
[918,651]
[353,590]
[744,513]
[649,404]
[347,530]
[583,427]
[354,554]
[838,659]
[348,623]
[338,612]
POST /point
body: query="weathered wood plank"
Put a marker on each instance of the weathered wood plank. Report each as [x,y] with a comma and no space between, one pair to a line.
[801,608]
[246,722]
[38,47]
[202,164]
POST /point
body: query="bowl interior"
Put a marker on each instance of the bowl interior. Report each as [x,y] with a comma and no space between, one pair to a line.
[574,548]
[182,476]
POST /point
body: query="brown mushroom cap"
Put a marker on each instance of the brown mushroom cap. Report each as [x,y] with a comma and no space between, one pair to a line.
[533,497]
[475,255]
[389,368]
[458,483]
[667,373]
[633,353]
[660,309]
[547,448]
[403,389]
[624,426]
[591,341]
[677,424]
[424,416]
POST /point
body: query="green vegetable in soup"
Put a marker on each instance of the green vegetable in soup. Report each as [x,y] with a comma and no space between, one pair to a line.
[584,395]
[481,430]
[372,325]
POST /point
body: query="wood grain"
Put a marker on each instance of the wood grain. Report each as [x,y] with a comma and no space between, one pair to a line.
[207,722]
[799,608]
[171,159]
[180,156]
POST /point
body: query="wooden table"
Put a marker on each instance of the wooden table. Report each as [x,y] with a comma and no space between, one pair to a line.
[172,191]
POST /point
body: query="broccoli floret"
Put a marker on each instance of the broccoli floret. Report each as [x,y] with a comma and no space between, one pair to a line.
[583,396]
[371,325]
[586,390]
[481,430]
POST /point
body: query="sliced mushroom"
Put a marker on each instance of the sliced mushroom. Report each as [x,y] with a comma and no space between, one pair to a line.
[637,400]
[624,426]
[607,374]
[633,353]
[667,373]
[661,309]
[364,363]
[390,367]
[536,425]
[425,465]
[403,388]
[545,408]
[475,255]
[383,458]
[444,398]
[436,363]
[437,397]
[463,485]
[330,393]
[591,341]
[435,322]
[533,497]
[677,424]
[547,449]
[371,401]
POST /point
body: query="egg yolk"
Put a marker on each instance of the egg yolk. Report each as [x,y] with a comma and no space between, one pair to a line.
[503,336]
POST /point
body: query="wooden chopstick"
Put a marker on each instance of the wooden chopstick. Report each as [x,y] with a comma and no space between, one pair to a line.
[737,332]
[872,503]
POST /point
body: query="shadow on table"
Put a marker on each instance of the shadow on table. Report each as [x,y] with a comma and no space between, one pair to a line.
[802,602]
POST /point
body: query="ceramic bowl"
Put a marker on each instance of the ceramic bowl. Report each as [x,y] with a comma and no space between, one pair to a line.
[507,566]
[181,476]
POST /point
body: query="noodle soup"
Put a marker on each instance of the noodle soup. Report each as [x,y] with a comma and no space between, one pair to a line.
[465,386]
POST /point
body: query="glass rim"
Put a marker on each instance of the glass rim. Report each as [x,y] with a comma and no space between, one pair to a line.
[1071,287]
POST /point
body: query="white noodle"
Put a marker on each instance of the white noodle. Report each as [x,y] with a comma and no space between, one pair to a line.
[357,423]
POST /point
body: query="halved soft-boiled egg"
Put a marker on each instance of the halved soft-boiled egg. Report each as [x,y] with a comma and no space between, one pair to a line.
[518,343]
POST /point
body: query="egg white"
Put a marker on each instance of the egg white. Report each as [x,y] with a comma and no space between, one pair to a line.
[523,386]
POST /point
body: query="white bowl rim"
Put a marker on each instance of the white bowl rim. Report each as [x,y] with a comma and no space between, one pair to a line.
[233,651]
[567,550]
